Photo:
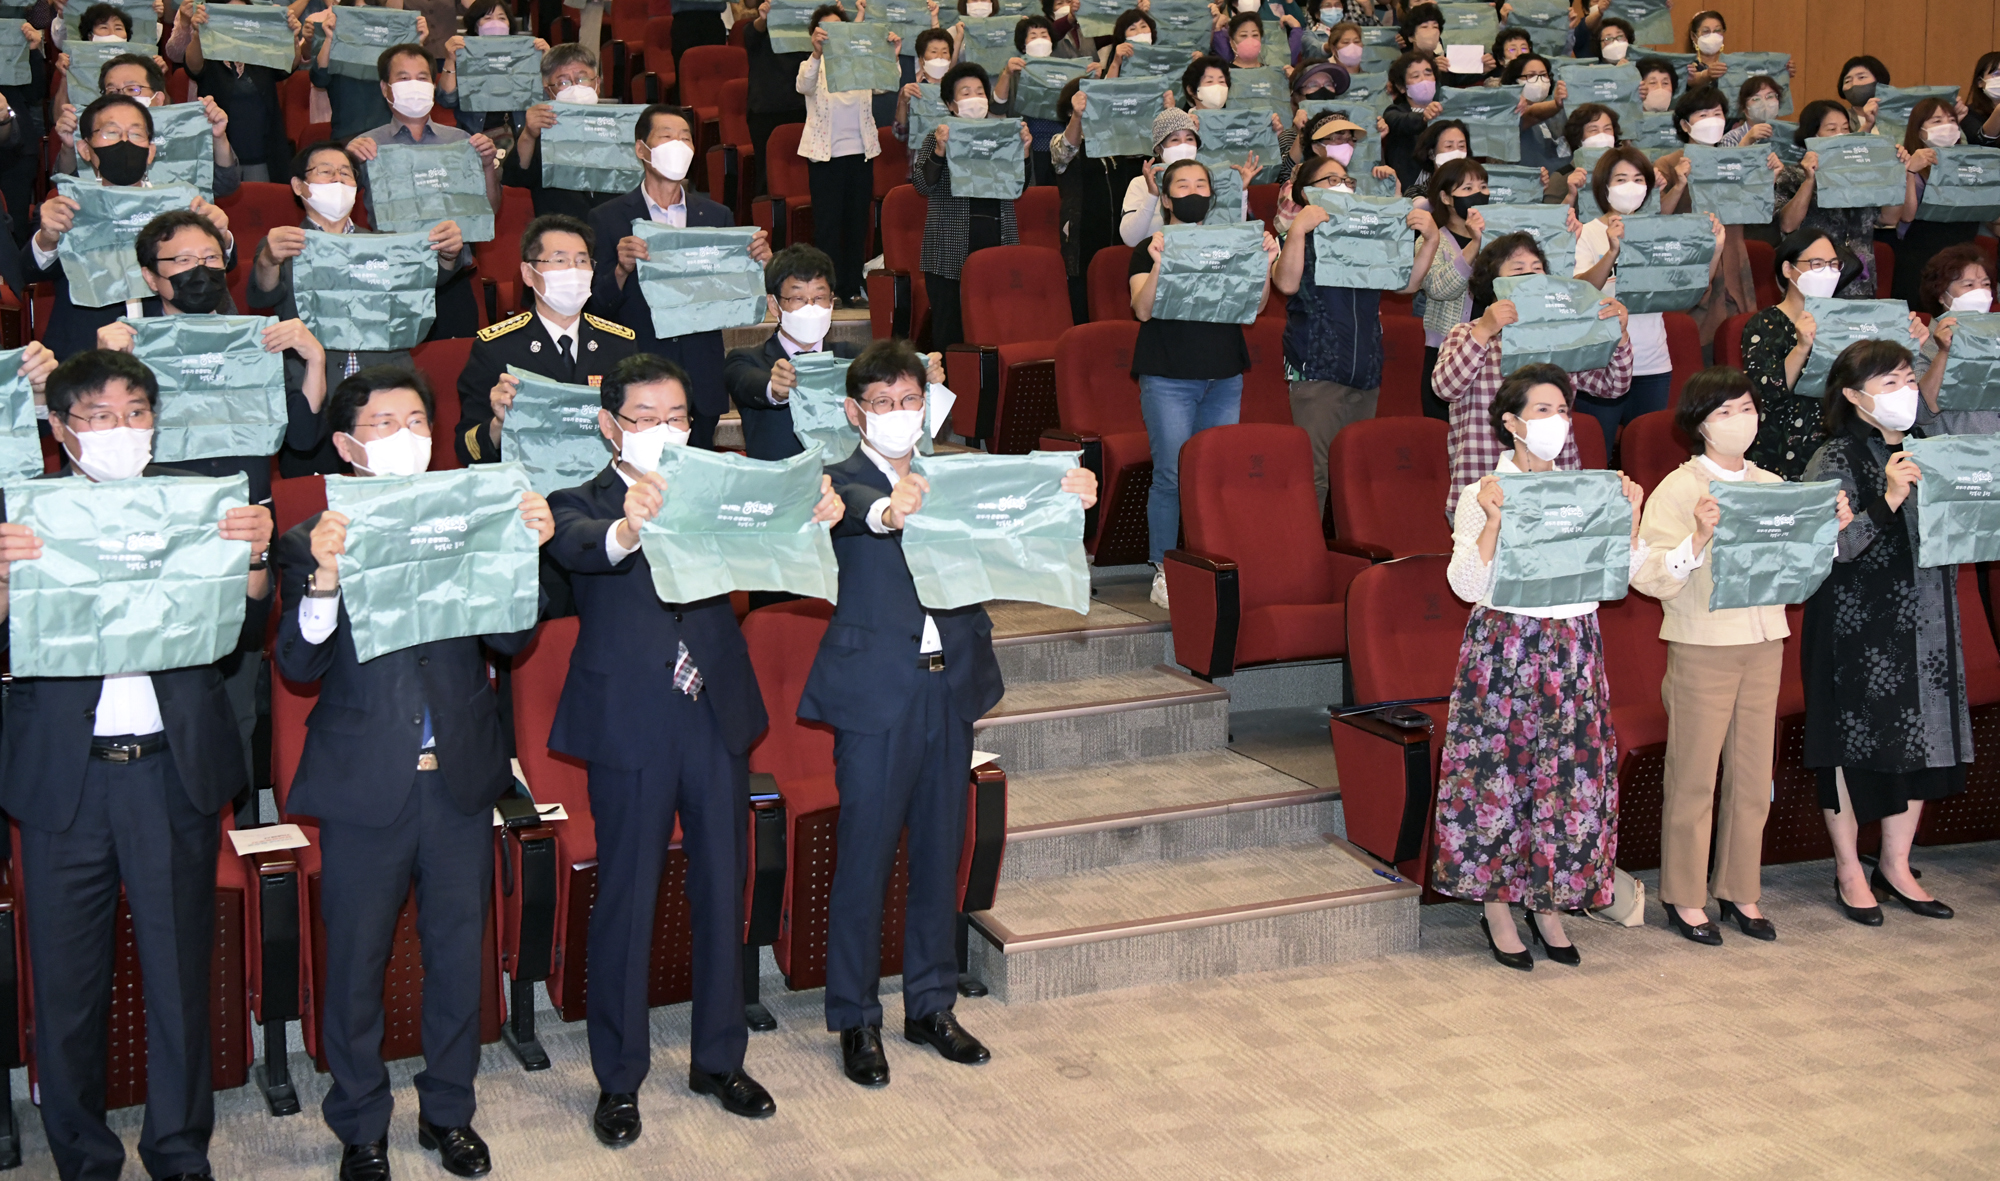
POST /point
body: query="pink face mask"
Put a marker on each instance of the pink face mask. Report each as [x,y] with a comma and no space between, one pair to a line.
[1341,152]
[1421,93]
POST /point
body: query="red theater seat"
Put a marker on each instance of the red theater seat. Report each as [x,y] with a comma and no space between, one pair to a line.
[1016,304]
[500,259]
[702,70]
[1402,367]
[785,208]
[732,159]
[441,361]
[1387,479]
[1635,662]
[1110,289]
[1729,340]
[896,303]
[1038,215]
[1098,400]
[1763,273]
[1973,814]
[1684,349]
[1650,448]
[1590,447]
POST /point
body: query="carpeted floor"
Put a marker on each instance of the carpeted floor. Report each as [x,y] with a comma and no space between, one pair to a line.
[1837,1052]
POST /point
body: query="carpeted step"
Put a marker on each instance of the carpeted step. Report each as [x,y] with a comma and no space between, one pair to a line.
[1142,713]
[1037,643]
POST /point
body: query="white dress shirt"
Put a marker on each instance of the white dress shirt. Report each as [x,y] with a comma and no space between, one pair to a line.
[673,215]
[791,350]
[558,334]
[127,705]
[932,641]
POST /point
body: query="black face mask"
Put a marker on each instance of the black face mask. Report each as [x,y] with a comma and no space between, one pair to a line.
[1465,203]
[199,289]
[1859,95]
[122,163]
[1189,210]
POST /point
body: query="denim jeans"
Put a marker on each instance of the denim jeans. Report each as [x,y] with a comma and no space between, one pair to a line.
[1647,394]
[1175,409]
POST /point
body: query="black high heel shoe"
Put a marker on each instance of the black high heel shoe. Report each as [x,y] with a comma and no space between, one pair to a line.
[1514,959]
[1568,956]
[1867,916]
[1931,909]
[1704,932]
[1759,928]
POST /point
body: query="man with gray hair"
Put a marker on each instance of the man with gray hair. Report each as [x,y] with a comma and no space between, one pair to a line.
[569,74]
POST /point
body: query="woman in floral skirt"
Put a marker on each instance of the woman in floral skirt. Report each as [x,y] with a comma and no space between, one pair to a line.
[1527,794]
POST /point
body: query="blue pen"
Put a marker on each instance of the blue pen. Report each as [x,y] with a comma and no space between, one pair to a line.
[1386,874]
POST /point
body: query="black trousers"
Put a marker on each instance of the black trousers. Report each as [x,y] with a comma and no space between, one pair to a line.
[135,826]
[761,127]
[843,196]
[947,319]
[708,789]
[365,875]
[913,775]
[697,28]
[1433,406]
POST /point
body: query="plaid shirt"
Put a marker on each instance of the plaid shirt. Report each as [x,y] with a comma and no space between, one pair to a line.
[1468,377]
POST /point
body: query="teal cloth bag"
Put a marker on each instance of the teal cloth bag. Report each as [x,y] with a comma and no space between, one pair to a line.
[97,253]
[1118,116]
[1972,366]
[1559,325]
[1652,22]
[1489,118]
[367,292]
[1041,83]
[435,556]
[86,63]
[1653,133]
[20,446]
[1540,14]
[1893,105]
[1841,322]
[986,158]
[1964,186]
[1379,46]
[1733,183]
[1615,85]
[496,74]
[1958,500]
[1565,537]
[1097,18]
[1469,24]
[989,41]
[700,279]
[414,187]
[1546,222]
[551,431]
[1225,204]
[259,35]
[819,405]
[186,153]
[589,150]
[138,17]
[1663,265]
[361,34]
[221,393]
[1188,24]
[15,69]
[733,523]
[1211,274]
[1740,67]
[1511,184]
[1774,543]
[1363,243]
[857,56]
[1229,137]
[134,577]
[790,25]
[997,527]
[1261,89]
[926,113]
[1857,171]
[905,18]
[1361,105]
[1168,62]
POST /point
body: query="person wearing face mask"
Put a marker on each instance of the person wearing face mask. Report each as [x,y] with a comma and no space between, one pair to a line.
[1454,198]
[798,282]
[1329,135]
[1776,343]
[485,18]
[839,143]
[1615,39]
[1090,189]
[558,340]
[1409,113]
[139,78]
[955,227]
[1887,725]
[1344,46]
[1721,687]
[901,686]
[569,75]
[1957,281]
[1443,142]
[663,138]
[246,94]
[1859,76]
[1241,43]
[117,782]
[1701,117]
[1796,194]
[1933,125]
[1133,27]
[1542,145]
[403,760]
[1205,84]
[1176,137]
[934,52]
[356,104]
[1034,37]
[1704,40]
[1530,691]
[664,738]
[1658,84]
[1592,125]
[1980,119]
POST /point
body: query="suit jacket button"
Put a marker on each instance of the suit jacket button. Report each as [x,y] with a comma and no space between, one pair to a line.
[422,660]
[90,713]
[677,617]
[417,721]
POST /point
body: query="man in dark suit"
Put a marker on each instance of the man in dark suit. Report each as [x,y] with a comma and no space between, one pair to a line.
[798,284]
[403,760]
[662,704]
[901,686]
[665,143]
[558,340]
[117,781]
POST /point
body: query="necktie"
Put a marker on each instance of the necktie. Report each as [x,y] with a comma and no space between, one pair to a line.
[567,347]
[687,678]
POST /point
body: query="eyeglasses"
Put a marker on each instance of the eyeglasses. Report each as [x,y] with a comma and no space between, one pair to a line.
[104,420]
[132,90]
[324,175]
[890,405]
[562,262]
[1808,265]
[107,136]
[793,303]
[579,79]
[189,261]
[646,423]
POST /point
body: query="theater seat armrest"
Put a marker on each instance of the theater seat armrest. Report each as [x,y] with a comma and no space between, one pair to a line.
[1366,551]
[1347,565]
[530,920]
[973,373]
[764,900]
[280,967]
[1419,792]
[985,837]
[1205,611]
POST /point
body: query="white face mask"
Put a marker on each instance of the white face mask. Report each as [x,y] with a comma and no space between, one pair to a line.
[935,67]
[1062,11]
[1535,89]
[1709,43]
[1212,96]
[1613,51]
[1602,139]
[117,454]
[1941,135]
[1175,153]
[672,158]
[808,325]
[405,453]
[1627,197]
[412,99]
[106,37]
[1246,5]
[1348,55]
[894,434]
[979,9]
[1443,158]
[1039,47]
[1545,437]
[1978,301]
[642,449]
[566,291]
[1896,410]
[331,201]
[1657,100]
[1140,36]
[1991,86]
[1707,130]
[972,107]
[1819,284]
[579,93]
[494,28]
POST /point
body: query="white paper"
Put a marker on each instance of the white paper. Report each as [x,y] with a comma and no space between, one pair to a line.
[1465,59]
[546,812]
[982,756]
[940,401]
[267,839]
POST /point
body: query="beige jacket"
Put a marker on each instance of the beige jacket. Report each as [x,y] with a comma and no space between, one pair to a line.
[816,141]
[1666,522]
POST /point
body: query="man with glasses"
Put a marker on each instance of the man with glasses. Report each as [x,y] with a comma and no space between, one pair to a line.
[798,283]
[662,705]
[569,74]
[558,340]
[117,781]
[139,78]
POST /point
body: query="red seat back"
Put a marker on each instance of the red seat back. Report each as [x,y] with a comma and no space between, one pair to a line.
[1386,478]
[255,209]
[1885,269]
[1013,294]
[1404,630]
[1729,340]
[1650,447]
[702,71]
[1110,288]
[734,115]
[1247,491]
[783,639]
[1684,347]
[658,41]
[892,166]
[1264,205]
[441,361]
[903,212]
[1096,393]
[1267,396]
[1635,657]
[537,684]
[1590,446]
[1763,272]
[296,500]
[1982,659]
[295,97]
[1402,366]
[500,258]
[784,169]
[1038,214]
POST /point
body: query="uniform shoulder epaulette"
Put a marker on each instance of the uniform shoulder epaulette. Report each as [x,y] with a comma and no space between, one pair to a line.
[614,328]
[496,331]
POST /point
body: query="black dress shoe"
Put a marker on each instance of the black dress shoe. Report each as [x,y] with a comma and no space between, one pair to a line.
[1755,928]
[460,1150]
[1521,960]
[945,1035]
[1867,916]
[1704,932]
[365,1162]
[1930,909]
[616,1120]
[1567,956]
[740,1094]
[189,1177]
[861,1055]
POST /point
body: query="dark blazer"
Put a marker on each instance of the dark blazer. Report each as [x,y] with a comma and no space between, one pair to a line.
[767,429]
[522,342]
[572,202]
[628,641]
[866,670]
[45,741]
[700,353]
[73,329]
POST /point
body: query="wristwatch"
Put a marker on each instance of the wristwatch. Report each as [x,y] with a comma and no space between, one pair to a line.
[313,591]
[261,561]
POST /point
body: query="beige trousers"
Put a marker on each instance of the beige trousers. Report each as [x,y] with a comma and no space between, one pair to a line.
[1722,705]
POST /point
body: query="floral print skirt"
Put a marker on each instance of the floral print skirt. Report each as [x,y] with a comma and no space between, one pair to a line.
[1527,806]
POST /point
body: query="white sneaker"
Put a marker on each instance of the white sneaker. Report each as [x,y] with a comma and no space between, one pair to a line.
[1159,595]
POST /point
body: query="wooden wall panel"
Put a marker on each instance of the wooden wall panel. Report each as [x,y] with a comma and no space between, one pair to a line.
[1835,31]
[1895,33]
[1779,26]
[1956,33]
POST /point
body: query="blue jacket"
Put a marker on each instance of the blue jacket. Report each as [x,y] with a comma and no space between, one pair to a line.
[700,353]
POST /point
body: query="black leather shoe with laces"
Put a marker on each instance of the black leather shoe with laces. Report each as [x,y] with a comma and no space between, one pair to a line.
[460,1150]
[945,1035]
[740,1094]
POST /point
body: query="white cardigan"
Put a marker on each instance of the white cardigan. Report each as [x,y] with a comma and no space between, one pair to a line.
[816,141]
